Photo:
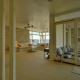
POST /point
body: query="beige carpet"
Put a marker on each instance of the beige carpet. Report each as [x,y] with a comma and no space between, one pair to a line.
[33,66]
[76,70]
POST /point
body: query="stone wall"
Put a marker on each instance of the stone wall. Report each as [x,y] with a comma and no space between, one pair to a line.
[22,36]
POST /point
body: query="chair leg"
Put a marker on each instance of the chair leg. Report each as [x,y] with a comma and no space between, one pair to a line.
[61,58]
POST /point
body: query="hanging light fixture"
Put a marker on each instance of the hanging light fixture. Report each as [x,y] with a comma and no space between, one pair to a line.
[28,26]
[32,26]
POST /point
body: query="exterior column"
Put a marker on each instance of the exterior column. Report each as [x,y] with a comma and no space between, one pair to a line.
[52,43]
[12,67]
[2,41]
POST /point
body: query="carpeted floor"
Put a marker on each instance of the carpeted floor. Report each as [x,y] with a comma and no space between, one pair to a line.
[33,66]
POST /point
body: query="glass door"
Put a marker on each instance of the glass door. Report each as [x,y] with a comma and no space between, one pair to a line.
[68,42]
[65,39]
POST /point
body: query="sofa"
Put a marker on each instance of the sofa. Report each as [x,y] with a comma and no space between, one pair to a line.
[25,46]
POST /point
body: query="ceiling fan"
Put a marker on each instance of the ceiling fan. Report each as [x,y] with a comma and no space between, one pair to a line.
[33,26]
[29,26]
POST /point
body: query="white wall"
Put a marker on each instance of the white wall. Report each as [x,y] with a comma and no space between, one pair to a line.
[22,35]
[68,16]
[59,35]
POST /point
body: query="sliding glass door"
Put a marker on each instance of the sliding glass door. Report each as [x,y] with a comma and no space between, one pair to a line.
[68,42]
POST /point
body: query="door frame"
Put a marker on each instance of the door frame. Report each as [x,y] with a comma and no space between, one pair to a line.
[75,20]
[76,41]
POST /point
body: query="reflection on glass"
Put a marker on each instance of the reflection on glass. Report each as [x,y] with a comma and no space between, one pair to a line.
[68,47]
[78,41]
[65,41]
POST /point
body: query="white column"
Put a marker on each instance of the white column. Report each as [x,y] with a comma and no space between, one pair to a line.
[2,41]
[12,67]
[52,43]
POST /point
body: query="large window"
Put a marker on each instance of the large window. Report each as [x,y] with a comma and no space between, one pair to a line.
[39,37]
[47,37]
[35,37]
[44,37]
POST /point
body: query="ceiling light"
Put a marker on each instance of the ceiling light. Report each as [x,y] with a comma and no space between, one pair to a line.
[28,26]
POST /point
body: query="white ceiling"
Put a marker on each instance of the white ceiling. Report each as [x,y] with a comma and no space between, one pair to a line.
[72,25]
[58,6]
[36,12]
